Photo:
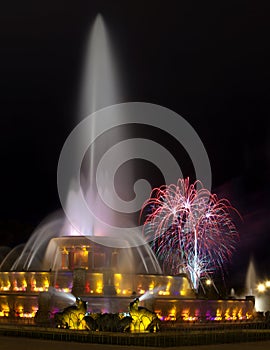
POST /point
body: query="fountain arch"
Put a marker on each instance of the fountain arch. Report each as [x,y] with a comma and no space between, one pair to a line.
[9,259]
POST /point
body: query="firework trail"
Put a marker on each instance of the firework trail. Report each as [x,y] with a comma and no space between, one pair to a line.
[193,229]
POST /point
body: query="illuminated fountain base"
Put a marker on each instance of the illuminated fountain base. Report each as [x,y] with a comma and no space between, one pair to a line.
[102,276]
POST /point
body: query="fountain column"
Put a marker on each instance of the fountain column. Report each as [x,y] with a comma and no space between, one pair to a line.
[79,280]
[64,259]
[90,259]
[71,259]
[251,278]
[108,274]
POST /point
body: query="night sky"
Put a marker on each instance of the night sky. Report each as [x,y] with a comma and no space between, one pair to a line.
[207,61]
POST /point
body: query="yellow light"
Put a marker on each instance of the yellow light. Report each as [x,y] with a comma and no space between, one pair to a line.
[185,314]
[234,314]
[33,284]
[99,287]
[24,284]
[218,315]
[248,316]
[5,310]
[84,251]
[208,282]
[46,283]
[20,310]
[239,315]
[7,286]
[159,314]
[261,288]
[117,282]
[164,292]
[172,314]
[267,284]
[227,315]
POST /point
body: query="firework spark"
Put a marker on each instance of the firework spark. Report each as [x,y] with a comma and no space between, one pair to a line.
[193,229]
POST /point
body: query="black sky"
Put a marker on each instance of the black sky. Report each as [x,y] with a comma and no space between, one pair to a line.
[207,61]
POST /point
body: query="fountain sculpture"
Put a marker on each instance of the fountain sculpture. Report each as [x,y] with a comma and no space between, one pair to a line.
[108,279]
[58,263]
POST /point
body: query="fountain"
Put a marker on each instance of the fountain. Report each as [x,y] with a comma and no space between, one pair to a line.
[258,291]
[251,279]
[60,259]
[55,262]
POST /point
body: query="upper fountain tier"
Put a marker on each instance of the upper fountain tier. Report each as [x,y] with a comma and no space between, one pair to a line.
[71,252]
[68,253]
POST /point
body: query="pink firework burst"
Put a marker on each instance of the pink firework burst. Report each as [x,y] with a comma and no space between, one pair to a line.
[193,230]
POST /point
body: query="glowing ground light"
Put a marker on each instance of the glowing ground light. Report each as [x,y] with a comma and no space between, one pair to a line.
[193,229]
[261,288]
[267,284]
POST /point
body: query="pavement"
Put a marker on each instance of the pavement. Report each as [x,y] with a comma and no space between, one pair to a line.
[7,343]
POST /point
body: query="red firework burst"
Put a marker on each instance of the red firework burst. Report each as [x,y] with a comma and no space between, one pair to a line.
[193,229]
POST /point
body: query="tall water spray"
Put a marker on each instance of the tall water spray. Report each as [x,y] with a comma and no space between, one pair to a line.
[251,279]
[99,89]
[100,78]
[99,86]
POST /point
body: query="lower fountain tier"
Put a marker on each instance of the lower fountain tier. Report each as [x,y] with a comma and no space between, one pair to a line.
[81,282]
[167,308]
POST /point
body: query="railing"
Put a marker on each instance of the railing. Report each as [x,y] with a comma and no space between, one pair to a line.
[201,335]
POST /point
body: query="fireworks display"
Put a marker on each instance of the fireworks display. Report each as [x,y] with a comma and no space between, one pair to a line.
[193,230]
